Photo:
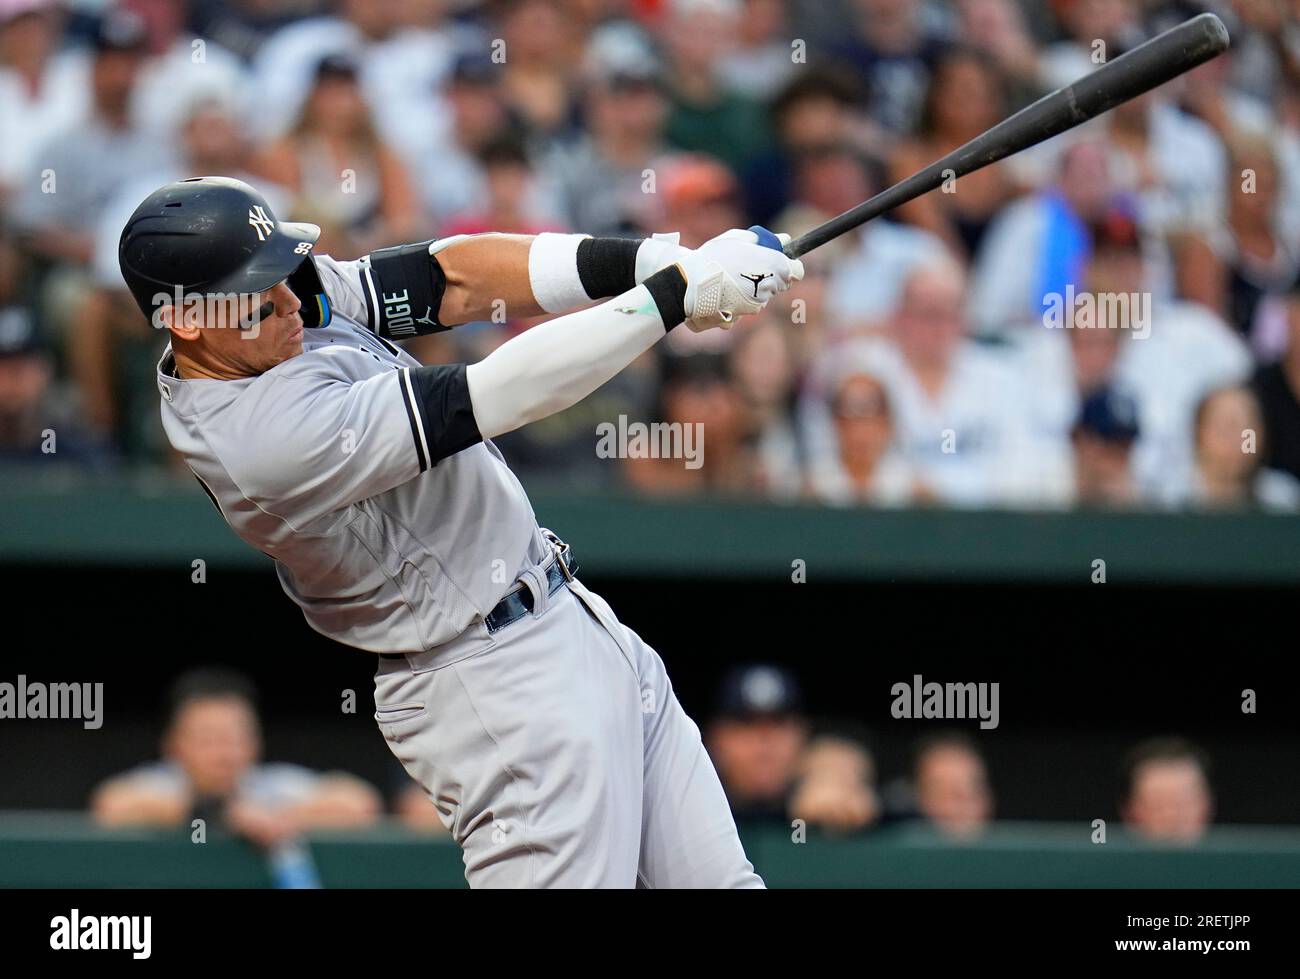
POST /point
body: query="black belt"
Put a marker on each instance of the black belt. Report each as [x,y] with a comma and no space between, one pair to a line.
[518,602]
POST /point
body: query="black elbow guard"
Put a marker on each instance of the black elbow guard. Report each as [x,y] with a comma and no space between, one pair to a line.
[403,286]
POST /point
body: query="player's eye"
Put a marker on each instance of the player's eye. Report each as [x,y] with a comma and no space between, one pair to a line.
[256,316]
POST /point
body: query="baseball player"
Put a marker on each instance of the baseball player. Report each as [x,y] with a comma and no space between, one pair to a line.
[545,732]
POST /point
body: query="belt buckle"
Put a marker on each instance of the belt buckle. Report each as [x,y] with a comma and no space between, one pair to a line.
[562,552]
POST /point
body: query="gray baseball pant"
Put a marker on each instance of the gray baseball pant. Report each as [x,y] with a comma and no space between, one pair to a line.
[557,754]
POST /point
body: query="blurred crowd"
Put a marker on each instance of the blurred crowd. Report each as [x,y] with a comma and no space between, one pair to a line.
[1110,319]
[779,767]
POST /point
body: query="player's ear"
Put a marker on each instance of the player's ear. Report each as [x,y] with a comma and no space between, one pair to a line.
[176,322]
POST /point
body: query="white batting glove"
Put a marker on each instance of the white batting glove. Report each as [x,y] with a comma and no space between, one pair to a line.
[735,274]
[658,252]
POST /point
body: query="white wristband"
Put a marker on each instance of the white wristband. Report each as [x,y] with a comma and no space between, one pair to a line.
[657,252]
[553,272]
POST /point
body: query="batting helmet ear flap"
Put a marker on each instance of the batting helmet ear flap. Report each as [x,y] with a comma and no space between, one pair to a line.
[306,285]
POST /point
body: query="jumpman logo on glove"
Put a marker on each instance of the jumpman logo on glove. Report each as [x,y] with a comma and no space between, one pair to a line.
[756,279]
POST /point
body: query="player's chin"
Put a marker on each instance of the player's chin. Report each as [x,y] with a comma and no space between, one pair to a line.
[291,345]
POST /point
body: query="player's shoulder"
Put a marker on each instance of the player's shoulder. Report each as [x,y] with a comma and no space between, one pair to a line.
[340,266]
[291,380]
[304,392]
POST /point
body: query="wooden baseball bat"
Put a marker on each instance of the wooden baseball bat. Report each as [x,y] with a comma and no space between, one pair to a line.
[1153,63]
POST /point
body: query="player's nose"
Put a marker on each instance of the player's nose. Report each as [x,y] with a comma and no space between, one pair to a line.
[286,301]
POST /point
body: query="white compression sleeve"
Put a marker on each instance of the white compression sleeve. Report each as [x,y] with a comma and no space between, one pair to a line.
[558,363]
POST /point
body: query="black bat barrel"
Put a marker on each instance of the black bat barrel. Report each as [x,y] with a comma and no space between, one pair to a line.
[1147,66]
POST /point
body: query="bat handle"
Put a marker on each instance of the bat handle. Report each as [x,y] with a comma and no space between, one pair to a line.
[766,238]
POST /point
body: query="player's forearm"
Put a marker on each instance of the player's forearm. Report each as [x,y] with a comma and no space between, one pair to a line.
[527,275]
[556,364]
[487,273]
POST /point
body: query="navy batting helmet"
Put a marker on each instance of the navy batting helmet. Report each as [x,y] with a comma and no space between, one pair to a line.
[217,235]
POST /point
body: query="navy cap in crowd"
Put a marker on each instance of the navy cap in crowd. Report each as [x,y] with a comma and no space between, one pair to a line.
[120,30]
[17,333]
[336,65]
[1110,415]
[759,691]
[475,68]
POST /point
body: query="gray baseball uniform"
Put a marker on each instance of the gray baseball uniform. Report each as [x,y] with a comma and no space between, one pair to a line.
[553,748]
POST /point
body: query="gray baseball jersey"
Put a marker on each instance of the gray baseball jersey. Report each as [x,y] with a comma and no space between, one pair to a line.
[554,749]
[328,463]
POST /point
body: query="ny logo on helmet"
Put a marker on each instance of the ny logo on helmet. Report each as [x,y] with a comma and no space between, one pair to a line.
[260,222]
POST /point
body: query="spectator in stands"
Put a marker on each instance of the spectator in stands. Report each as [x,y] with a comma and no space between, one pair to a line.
[450,176]
[708,116]
[211,770]
[701,198]
[183,69]
[1277,386]
[952,786]
[510,204]
[867,467]
[764,371]
[542,51]
[1093,31]
[888,84]
[39,423]
[762,60]
[836,790]
[79,170]
[965,97]
[759,742]
[892,44]
[867,275]
[599,178]
[1102,441]
[241,26]
[958,410]
[1170,352]
[756,737]
[43,90]
[826,180]
[1169,160]
[343,176]
[1039,244]
[403,52]
[1230,440]
[1167,797]
[820,107]
[1257,256]
[699,402]
[997,27]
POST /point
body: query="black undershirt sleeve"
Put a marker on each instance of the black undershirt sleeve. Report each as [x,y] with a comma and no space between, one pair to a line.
[440,411]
